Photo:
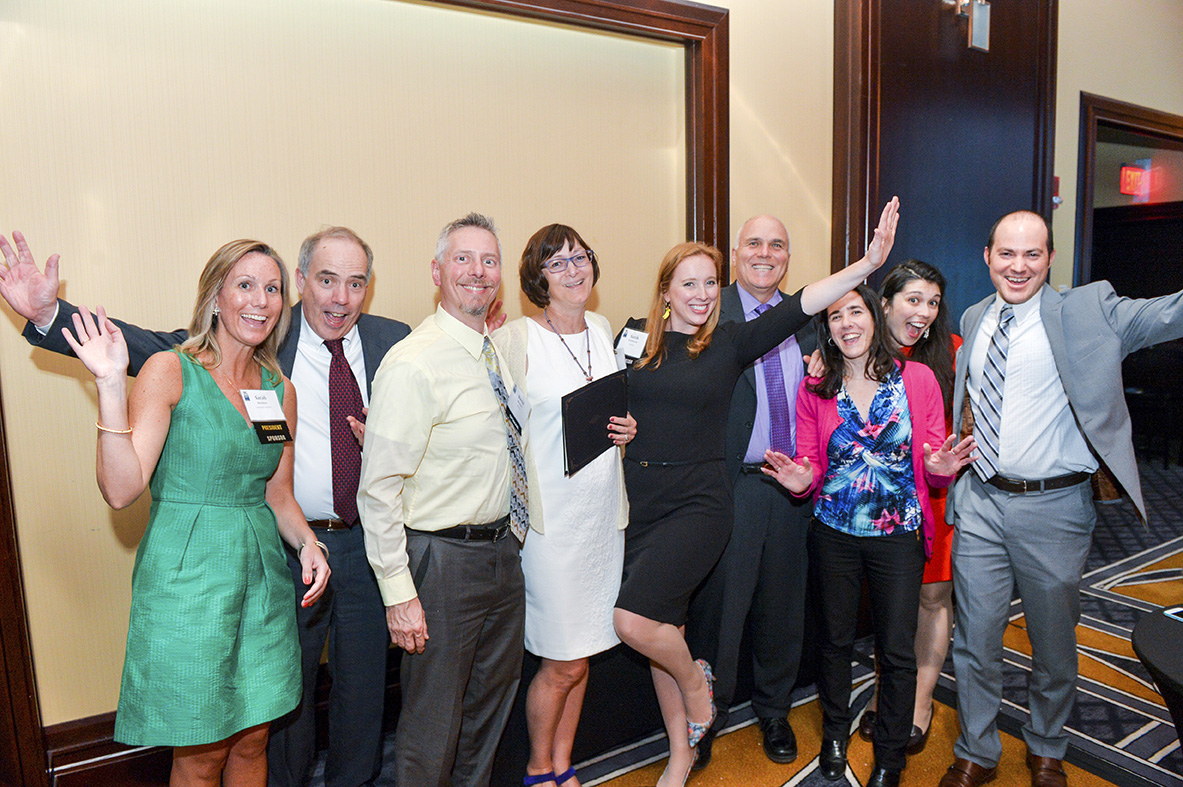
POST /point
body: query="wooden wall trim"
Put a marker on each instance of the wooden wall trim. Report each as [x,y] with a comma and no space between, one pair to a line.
[701,29]
[1098,109]
[19,685]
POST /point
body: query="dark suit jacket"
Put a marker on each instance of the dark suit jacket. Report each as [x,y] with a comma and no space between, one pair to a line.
[378,334]
[742,417]
[1090,330]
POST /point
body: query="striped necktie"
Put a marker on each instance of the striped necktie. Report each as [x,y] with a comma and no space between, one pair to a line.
[988,413]
[519,514]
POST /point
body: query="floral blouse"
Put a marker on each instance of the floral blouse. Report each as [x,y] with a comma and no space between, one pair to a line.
[869,488]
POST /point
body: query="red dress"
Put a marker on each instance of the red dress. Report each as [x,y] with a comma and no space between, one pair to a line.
[939,567]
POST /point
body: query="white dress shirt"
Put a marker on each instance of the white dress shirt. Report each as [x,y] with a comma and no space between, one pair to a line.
[1039,435]
[313,471]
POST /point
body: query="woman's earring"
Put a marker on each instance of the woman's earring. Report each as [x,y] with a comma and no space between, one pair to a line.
[926,333]
[216,310]
[666,314]
[830,339]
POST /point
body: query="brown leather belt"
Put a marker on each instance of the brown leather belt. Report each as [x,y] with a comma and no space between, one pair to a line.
[330,524]
[1022,486]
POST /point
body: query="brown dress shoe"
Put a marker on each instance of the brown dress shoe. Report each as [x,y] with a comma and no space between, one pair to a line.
[964,773]
[1046,771]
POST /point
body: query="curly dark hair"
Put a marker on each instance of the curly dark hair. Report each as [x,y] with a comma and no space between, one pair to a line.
[881,361]
[935,348]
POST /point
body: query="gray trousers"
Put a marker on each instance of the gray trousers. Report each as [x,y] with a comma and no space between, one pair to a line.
[1037,543]
[457,694]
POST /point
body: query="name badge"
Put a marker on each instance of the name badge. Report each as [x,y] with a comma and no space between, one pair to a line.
[266,415]
[519,408]
[630,346]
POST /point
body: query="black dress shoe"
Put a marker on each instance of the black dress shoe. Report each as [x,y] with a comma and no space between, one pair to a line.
[780,744]
[881,777]
[704,750]
[866,725]
[918,739]
[832,760]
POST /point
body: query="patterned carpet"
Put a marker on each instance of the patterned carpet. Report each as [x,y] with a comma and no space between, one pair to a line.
[1121,732]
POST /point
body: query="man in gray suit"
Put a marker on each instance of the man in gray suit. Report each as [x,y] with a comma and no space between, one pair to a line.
[1042,370]
[759,583]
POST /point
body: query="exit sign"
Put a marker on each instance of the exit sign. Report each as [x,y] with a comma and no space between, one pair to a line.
[1133,180]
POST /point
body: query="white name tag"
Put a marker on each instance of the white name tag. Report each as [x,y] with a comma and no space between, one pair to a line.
[262,405]
[519,408]
[630,345]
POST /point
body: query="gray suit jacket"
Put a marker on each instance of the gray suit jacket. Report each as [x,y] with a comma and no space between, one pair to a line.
[1090,329]
[742,417]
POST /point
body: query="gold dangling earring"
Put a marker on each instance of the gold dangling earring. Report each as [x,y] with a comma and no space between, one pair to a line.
[666,314]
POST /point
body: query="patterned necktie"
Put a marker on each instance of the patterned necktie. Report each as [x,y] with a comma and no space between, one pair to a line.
[780,437]
[344,400]
[988,413]
[519,514]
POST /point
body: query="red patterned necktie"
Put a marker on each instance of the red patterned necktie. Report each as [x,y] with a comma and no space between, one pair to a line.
[344,400]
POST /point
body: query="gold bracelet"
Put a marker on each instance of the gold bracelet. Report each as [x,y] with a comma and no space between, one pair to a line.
[102,428]
[323,548]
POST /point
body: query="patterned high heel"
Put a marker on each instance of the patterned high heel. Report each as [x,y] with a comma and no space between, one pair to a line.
[695,730]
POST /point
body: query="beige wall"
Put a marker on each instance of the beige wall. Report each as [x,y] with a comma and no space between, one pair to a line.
[1125,51]
[140,136]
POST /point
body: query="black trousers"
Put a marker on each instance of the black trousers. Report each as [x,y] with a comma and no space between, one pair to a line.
[893,566]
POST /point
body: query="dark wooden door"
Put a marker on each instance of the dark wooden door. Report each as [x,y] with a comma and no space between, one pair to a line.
[962,136]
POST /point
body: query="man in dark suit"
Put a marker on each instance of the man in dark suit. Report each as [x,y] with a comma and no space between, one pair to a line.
[334,272]
[1042,370]
[759,583]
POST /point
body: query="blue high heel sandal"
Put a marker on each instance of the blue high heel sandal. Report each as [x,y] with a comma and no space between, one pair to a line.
[695,730]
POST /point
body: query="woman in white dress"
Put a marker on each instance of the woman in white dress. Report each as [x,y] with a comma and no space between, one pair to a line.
[572,559]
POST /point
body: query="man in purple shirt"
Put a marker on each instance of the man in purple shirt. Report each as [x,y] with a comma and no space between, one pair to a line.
[759,583]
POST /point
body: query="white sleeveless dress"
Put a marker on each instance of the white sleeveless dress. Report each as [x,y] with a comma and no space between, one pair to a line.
[573,569]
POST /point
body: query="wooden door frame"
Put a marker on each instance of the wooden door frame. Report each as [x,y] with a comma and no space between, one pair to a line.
[856,122]
[703,32]
[1131,117]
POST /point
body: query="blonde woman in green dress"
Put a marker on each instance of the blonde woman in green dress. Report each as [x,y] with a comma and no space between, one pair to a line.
[212,653]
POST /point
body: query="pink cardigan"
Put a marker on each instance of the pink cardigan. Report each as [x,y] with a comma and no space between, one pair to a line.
[817,419]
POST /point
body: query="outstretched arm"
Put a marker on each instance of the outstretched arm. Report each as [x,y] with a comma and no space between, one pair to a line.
[821,294]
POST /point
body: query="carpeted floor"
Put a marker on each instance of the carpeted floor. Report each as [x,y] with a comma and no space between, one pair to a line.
[1121,733]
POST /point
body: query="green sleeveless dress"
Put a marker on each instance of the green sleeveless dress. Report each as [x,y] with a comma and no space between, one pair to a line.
[212,646]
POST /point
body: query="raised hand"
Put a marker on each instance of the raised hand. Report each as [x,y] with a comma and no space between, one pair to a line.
[99,344]
[884,239]
[494,317]
[31,293]
[949,458]
[359,426]
[814,365]
[792,476]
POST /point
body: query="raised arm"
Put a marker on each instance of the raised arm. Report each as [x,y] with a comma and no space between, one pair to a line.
[821,294]
[132,429]
[31,293]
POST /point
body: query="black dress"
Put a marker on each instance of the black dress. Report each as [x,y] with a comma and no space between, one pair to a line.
[679,494]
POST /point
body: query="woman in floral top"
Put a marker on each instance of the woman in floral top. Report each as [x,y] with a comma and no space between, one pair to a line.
[871,440]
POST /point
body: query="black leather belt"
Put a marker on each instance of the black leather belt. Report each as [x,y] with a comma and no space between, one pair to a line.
[752,468]
[330,524]
[494,531]
[1022,486]
[678,463]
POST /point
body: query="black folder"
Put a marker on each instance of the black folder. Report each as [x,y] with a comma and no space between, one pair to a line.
[586,412]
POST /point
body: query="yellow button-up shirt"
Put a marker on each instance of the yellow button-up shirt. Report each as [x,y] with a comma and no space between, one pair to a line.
[435,452]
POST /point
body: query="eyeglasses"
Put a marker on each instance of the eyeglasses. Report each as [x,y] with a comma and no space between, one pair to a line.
[559,264]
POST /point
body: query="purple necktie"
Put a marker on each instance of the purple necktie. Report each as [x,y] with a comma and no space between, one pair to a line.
[780,428]
[344,400]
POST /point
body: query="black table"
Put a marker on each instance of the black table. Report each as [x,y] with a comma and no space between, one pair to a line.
[1158,641]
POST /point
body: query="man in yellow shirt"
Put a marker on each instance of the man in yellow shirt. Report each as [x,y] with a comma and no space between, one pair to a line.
[442,502]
